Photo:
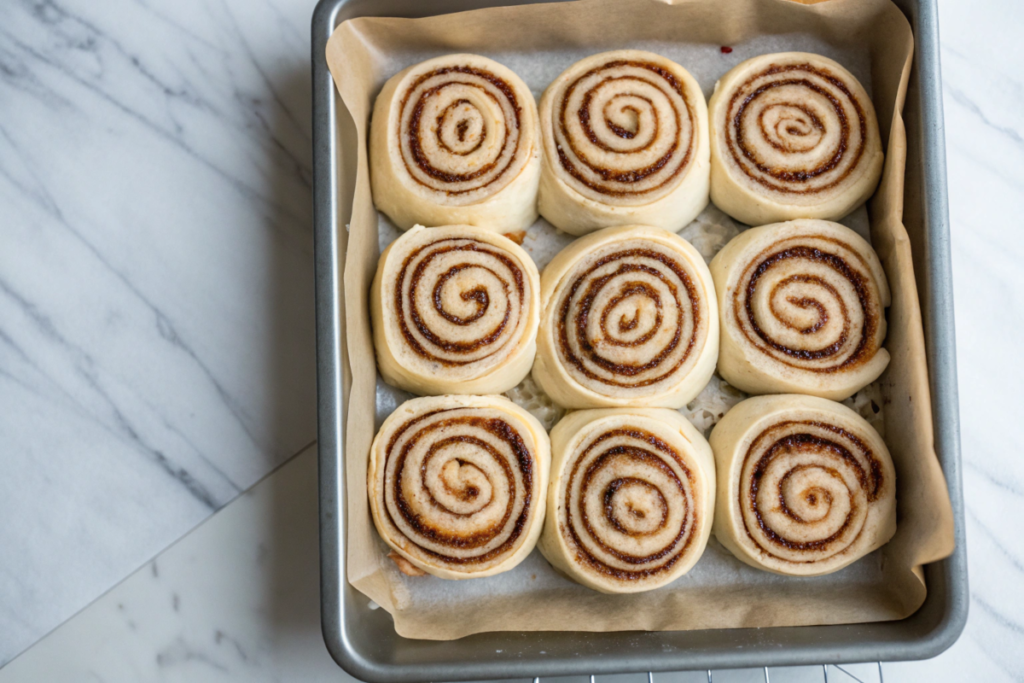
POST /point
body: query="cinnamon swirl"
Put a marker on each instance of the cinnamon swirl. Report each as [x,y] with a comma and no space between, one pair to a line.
[454,140]
[631,500]
[629,319]
[793,135]
[803,310]
[805,485]
[455,310]
[625,141]
[457,484]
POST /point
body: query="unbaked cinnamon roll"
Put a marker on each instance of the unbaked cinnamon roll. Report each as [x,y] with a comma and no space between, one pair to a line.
[455,310]
[453,140]
[803,310]
[805,485]
[625,141]
[629,319]
[631,500]
[793,135]
[457,484]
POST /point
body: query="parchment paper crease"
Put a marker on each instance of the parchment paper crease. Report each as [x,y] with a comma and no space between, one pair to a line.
[870,37]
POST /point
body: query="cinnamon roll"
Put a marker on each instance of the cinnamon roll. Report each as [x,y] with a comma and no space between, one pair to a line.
[457,484]
[454,140]
[629,319]
[455,310]
[625,141]
[793,135]
[803,310]
[805,486]
[631,499]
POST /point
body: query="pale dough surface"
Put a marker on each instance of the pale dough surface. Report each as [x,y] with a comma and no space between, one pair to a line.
[652,506]
[477,157]
[793,135]
[824,463]
[454,480]
[455,310]
[635,348]
[802,308]
[645,158]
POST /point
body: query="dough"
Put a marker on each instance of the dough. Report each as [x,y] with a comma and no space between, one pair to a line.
[453,140]
[793,135]
[457,484]
[625,142]
[455,310]
[802,308]
[631,500]
[805,485]
[629,319]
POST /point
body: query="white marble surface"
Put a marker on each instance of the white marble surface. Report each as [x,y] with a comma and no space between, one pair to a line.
[156,300]
[156,342]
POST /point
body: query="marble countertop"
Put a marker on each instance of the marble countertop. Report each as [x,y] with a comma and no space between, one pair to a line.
[157,353]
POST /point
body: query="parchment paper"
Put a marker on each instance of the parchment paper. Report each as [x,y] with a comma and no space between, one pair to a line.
[871,38]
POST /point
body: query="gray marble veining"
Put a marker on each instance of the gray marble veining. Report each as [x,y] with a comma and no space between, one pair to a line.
[156,301]
[156,351]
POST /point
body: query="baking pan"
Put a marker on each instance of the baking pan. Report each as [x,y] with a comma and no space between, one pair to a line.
[363,640]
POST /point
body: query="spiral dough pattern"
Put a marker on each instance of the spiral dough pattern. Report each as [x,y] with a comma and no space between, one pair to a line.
[455,310]
[794,135]
[631,498]
[454,135]
[803,310]
[459,131]
[456,484]
[812,487]
[631,320]
[624,130]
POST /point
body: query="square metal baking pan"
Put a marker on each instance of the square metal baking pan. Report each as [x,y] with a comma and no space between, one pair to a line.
[363,640]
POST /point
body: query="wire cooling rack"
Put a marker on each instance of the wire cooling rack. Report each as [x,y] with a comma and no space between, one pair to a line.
[826,673]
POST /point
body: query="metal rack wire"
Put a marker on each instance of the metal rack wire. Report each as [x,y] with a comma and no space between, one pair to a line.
[845,675]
